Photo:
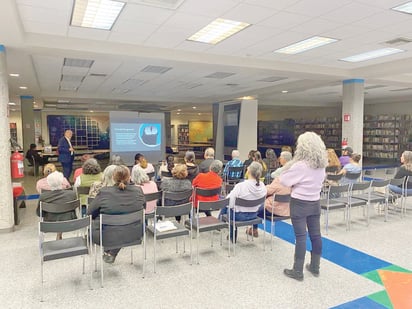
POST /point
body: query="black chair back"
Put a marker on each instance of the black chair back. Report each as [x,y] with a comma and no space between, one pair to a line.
[173,211]
[249,203]
[213,205]
[281,198]
[334,177]
[65,226]
[166,174]
[58,208]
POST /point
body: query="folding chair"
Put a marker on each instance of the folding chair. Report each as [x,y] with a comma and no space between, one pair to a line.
[280,198]
[369,175]
[166,174]
[132,222]
[356,192]
[234,170]
[82,194]
[160,230]
[399,182]
[390,172]
[205,193]
[333,200]
[67,247]
[151,175]
[236,224]
[149,197]
[353,177]
[210,223]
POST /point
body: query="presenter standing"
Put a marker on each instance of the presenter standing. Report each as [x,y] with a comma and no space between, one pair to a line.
[66,153]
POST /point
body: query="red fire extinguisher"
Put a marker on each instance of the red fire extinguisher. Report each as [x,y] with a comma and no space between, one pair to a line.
[344,143]
[17,165]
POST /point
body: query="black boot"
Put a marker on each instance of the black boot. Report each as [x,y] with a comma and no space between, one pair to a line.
[313,267]
[297,271]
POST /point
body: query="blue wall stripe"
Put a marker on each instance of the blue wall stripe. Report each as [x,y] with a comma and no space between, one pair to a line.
[354,81]
[2,48]
[26,97]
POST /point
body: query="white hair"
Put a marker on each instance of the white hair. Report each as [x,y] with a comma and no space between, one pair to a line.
[55,180]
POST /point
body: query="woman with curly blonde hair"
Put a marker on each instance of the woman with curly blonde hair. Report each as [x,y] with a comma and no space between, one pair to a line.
[305,175]
[333,162]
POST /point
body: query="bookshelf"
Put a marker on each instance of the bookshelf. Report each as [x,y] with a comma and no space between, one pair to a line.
[330,128]
[183,134]
[276,133]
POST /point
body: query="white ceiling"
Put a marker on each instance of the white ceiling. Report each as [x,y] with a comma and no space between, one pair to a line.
[38,37]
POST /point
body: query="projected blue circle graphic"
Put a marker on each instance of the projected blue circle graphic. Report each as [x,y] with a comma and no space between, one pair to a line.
[150,134]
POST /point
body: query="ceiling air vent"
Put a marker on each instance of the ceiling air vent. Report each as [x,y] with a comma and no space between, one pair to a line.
[79,63]
[156,69]
[219,75]
[97,75]
[398,41]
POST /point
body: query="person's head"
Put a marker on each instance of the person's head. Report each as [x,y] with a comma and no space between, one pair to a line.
[270,154]
[91,167]
[216,166]
[68,133]
[33,146]
[251,153]
[406,160]
[121,176]
[55,180]
[107,178]
[347,151]
[235,154]
[170,162]
[190,157]
[179,171]
[48,169]
[209,153]
[287,148]
[257,156]
[139,176]
[285,157]
[355,157]
[116,160]
[311,149]
[85,157]
[255,170]
[333,159]
[140,159]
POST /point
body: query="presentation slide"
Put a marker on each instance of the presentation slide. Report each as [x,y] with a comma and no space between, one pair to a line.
[132,133]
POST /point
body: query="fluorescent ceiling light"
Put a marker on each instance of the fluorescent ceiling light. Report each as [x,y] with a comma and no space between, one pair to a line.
[373,54]
[218,30]
[98,14]
[405,8]
[14,74]
[23,87]
[299,47]
[12,103]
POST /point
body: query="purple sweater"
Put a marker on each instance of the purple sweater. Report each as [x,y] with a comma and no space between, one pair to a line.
[305,181]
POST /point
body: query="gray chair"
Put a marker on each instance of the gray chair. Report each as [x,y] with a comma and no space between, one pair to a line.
[205,193]
[68,247]
[335,200]
[353,177]
[151,175]
[210,223]
[236,224]
[149,197]
[390,172]
[357,191]
[82,194]
[370,174]
[106,225]
[234,170]
[280,198]
[172,229]
[166,174]
[398,198]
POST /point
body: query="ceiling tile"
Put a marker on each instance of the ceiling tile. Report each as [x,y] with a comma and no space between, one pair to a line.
[249,13]
[145,14]
[316,8]
[211,8]
[88,33]
[285,20]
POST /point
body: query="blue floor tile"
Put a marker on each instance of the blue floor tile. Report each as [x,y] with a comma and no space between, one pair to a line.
[360,303]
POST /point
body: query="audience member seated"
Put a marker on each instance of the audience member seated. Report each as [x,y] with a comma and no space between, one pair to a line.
[404,170]
[249,158]
[271,160]
[353,167]
[250,189]
[333,162]
[32,154]
[167,165]
[178,183]
[257,157]
[79,170]
[278,209]
[287,148]
[235,162]
[106,181]
[209,157]
[209,180]
[121,198]
[285,157]
[42,184]
[345,157]
[56,181]
[140,160]
[140,178]
[116,160]
[91,173]
[192,168]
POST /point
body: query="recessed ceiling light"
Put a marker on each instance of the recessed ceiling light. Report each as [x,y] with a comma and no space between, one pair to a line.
[97,14]
[194,107]
[179,110]
[14,74]
[92,111]
[299,47]
[373,54]
[404,8]
[12,103]
[285,91]
[23,87]
[178,113]
[13,109]
[218,30]
[199,114]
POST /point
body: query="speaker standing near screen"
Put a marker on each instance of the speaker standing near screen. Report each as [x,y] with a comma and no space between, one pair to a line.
[66,153]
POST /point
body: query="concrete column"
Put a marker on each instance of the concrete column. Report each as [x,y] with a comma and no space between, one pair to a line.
[352,113]
[6,200]
[27,119]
